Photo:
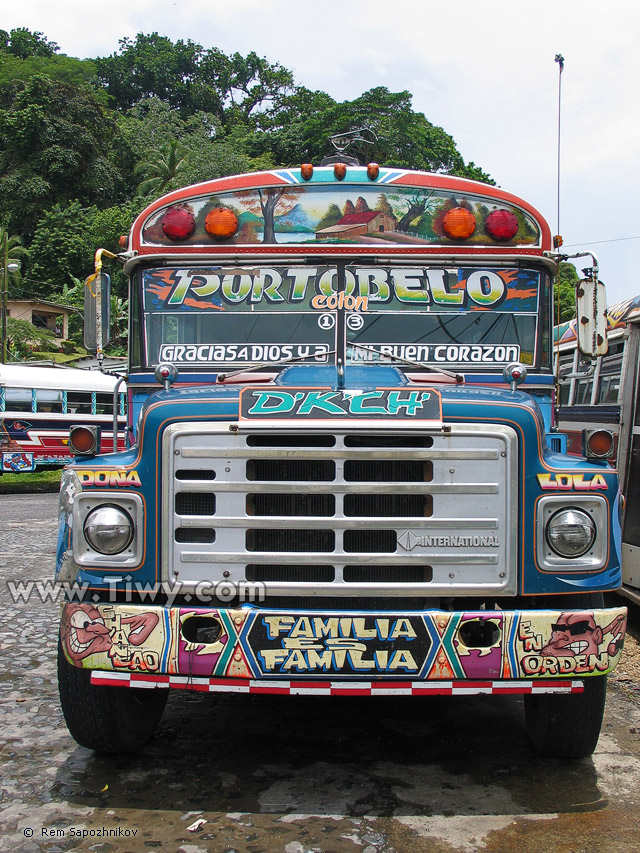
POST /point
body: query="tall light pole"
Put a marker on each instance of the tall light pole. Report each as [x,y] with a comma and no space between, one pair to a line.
[6,269]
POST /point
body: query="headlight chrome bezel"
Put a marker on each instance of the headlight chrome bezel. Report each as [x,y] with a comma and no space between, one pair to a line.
[593,558]
[84,553]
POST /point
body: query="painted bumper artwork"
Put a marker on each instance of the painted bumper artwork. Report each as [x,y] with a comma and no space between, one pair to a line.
[250,643]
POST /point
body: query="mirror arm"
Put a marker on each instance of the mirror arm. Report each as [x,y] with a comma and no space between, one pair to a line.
[591,273]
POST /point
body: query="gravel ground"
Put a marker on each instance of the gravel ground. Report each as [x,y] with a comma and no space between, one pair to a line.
[627,674]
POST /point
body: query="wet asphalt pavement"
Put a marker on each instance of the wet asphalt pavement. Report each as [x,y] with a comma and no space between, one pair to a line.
[261,773]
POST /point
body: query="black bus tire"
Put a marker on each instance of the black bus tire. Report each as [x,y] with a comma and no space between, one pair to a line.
[107,719]
[567,725]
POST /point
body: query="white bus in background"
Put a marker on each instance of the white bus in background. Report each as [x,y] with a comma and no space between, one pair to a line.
[604,394]
[38,405]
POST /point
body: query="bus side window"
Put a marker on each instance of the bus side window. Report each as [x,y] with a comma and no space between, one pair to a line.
[564,373]
[79,402]
[104,404]
[610,376]
[583,393]
[17,399]
[49,400]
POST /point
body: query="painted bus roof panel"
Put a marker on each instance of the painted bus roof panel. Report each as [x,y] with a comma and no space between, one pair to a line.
[399,211]
[618,315]
[66,379]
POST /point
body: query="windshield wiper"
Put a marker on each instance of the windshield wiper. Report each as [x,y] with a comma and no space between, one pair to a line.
[459,378]
[222,377]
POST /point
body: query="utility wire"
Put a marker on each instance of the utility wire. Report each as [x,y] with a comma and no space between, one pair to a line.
[596,242]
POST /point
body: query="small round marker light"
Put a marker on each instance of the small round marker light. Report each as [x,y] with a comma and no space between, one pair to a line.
[501,225]
[84,440]
[340,170]
[166,374]
[515,374]
[373,170]
[178,223]
[221,223]
[306,170]
[459,223]
[597,443]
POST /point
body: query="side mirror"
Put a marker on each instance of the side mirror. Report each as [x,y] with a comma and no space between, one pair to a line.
[591,311]
[97,311]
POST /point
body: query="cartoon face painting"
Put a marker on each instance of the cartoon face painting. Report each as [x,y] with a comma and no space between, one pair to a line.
[85,633]
[575,633]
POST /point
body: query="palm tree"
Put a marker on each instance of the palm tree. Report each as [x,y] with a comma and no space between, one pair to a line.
[163,165]
[12,253]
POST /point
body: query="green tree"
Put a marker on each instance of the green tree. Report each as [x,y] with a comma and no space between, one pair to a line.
[152,124]
[210,151]
[190,78]
[161,168]
[58,144]
[331,217]
[153,66]
[24,54]
[59,247]
[248,83]
[66,239]
[22,43]
[15,73]
[298,130]
[565,293]
[24,340]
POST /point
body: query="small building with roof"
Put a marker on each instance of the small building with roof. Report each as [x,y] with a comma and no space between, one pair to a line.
[42,314]
[354,225]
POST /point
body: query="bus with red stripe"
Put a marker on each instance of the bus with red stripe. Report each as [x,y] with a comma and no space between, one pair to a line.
[38,406]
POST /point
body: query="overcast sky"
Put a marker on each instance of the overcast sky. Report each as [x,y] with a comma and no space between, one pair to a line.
[485,72]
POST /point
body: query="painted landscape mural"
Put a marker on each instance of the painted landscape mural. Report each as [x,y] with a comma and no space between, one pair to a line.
[353,214]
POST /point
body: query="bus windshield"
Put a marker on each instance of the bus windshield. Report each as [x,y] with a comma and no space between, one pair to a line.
[468,317]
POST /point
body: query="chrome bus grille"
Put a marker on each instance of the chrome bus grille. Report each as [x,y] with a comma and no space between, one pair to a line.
[342,514]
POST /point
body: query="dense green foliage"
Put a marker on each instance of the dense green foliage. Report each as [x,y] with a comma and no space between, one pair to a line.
[86,144]
[565,290]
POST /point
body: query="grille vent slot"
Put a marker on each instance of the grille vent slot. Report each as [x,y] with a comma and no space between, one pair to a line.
[195,534]
[277,440]
[291,470]
[290,573]
[283,539]
[291,504]
[370,541]
[388,506]
[191,474]
[388,471]
[388,441]
[387,574]
[195,503]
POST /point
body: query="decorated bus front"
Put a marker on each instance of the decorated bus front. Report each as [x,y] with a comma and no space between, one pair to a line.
[346,480]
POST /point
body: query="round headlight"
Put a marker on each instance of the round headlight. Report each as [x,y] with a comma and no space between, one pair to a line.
[108,529]
[571,532]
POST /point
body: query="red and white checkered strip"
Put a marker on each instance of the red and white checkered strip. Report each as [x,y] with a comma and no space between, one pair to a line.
[334,688]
